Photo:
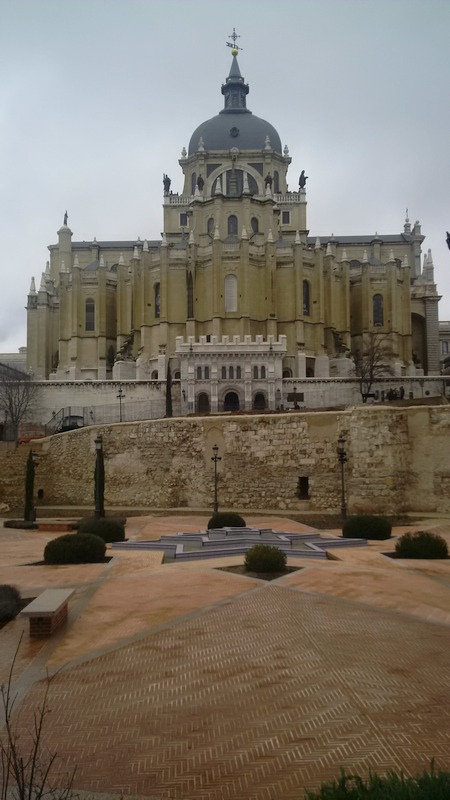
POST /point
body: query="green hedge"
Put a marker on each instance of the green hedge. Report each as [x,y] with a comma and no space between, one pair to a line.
[75,548]
[10,602]
[366,526]
[226,520]
[421,545]
[265,558]
[428,786]
[110,530]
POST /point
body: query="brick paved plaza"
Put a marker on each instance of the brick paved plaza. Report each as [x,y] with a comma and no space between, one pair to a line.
[181,681]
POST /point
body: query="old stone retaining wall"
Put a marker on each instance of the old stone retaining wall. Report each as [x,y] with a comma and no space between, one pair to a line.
[398,460]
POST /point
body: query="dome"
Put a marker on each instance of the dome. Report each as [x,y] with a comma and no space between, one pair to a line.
[242,130]
[235,126]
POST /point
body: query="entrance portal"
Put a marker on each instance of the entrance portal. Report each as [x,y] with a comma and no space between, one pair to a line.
[203,403]
[231,402]
[259,403]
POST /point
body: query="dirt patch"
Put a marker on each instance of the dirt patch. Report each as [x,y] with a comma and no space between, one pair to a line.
[262,576]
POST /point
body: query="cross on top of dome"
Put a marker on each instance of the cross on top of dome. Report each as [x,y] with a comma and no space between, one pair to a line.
[234,47]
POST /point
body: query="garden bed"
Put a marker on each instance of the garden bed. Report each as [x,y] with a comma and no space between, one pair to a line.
[262,576]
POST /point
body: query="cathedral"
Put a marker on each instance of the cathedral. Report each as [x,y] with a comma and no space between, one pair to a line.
[237,296]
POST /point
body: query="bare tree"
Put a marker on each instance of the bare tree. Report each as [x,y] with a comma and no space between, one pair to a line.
[372,362]
[27,767]
[17,397]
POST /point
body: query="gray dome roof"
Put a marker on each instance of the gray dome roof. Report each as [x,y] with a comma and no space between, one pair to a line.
[241,129]
[235,126]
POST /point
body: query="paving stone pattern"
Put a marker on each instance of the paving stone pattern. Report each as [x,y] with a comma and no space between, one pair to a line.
[255,699]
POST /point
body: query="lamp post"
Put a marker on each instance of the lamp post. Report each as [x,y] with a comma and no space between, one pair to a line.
[99,479]
[120,397]
[30,510]
[215,458]
[342,458]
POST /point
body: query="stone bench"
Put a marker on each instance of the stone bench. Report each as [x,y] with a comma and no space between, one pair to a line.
[55,527]
[47,612]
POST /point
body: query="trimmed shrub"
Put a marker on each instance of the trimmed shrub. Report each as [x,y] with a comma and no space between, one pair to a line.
[265,558]
[75,548]
[110,530]
[226,520]
[366,526]
[428,786]
[10,602]
[421,545]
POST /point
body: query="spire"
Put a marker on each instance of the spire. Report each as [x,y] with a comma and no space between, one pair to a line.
[365,258]
[317,244]
[405,260]
[76,263]
[145,248]
[297,238]
[244,234]
[32,287]
[329,250]
[121,260]
[234,89]
[216,232]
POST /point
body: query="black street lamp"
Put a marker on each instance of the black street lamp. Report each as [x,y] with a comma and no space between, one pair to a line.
[99,479]
[215,458]
[342,458]
[120,397]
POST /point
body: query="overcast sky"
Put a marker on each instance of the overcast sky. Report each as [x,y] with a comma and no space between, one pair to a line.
[98,97]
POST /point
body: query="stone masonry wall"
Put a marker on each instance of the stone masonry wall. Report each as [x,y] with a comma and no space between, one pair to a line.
[397,461]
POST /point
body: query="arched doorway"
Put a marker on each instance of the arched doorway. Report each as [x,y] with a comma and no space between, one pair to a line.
[203,403]
[231,402]
[259,401]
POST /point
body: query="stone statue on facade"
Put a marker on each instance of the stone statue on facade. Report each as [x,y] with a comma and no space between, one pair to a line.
[166,183]
[65,218]
[126,351]
[268,180]
[200,183]
[448,240]
[302,179]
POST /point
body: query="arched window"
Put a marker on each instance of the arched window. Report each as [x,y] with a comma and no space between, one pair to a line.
[232,225]
[157,300]
[287,373]
[224,373]
[206,373]
[276,182]
[231,293]
[378,313]
[238,373]
[199,373]
[231,372]
[193,182]
[306,298]
[255,224]
[89,315]
[263,372]
[190,296]
[255,372]
[211,226]
[177,375]
[154,375]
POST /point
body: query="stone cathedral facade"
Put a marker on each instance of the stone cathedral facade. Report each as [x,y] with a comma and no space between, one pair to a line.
[237,295]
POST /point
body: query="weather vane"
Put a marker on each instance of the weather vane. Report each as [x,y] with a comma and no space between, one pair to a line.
[234,47]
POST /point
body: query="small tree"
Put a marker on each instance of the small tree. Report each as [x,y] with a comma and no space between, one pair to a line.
[27,769]
[169,410]
[17,396]
[372,362]
[28,512]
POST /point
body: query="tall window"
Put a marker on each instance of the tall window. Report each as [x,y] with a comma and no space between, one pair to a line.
[199,373]
[89,315]
[224,373]
[231,372]
[206,373]
[238,373]
[211,226]
[157,300]
[190,296]
[232,225]
[255,372]
[378,313]
[231,293]
[306,298]
[276,182]
[255,224]
[263,372]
